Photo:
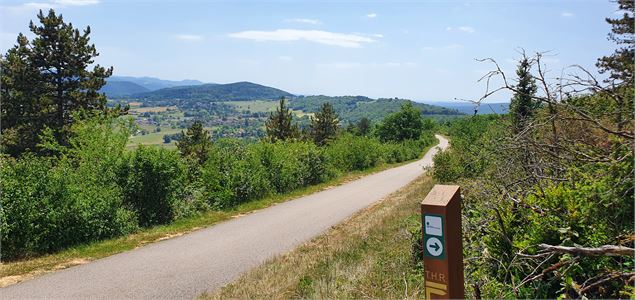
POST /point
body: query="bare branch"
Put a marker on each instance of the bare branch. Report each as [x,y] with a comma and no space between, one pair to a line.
[606,250]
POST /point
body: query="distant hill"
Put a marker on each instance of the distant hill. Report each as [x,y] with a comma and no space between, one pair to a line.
[239,91]
[209,96]
[468,108]
[152,83]
[114,89]
[353,108]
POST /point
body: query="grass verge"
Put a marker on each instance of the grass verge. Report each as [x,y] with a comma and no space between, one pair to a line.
[17,271]
[366,256]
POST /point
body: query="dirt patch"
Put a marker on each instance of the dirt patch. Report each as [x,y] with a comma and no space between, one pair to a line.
[10,280]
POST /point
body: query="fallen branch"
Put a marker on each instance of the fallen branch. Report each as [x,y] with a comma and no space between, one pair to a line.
[545,271]
[606,250]
[608,278]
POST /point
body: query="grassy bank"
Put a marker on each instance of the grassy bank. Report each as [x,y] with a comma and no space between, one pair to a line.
[21,270]
[367,256]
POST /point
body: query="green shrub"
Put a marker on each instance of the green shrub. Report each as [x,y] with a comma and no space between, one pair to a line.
[447,167]
[318,166]
[291,165]
[233,174]
[350,153]
[48,206]
[285,170]
[152,179]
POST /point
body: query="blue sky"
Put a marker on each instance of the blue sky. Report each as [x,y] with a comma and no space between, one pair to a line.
[421,50]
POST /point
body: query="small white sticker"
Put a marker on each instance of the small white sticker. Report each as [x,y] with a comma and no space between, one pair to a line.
[434,225]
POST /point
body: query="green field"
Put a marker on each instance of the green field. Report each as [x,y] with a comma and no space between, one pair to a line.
[254,106]
[261,106]
[153,138]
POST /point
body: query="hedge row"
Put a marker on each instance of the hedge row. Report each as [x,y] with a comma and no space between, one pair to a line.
[99,190]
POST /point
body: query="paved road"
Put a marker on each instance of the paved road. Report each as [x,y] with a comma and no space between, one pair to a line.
[209,258]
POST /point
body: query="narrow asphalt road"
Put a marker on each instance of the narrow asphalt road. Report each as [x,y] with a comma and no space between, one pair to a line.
[209,258]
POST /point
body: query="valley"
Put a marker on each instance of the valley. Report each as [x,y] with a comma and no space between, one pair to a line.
[239,110]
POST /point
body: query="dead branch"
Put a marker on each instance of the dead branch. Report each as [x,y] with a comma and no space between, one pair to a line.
[608,278]
[606,250]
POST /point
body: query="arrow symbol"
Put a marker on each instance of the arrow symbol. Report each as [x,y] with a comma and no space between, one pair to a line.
[435,246]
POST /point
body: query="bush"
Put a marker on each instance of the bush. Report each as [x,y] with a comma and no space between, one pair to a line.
[48,206]
[233,174]
[291,165]
[350,153]
[447,167]
[152,179]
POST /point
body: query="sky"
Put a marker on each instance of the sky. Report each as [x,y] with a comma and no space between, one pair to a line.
[419,50]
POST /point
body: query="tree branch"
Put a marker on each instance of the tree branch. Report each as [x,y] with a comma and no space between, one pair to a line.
[606,250]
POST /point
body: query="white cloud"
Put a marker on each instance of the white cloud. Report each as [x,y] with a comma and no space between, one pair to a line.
[372,15]
[378,35]
[316,36]
[38,5]
[567,14]
[306,21]
[466,29]
[189,37]
[76,2]
[31,6]
[285,58]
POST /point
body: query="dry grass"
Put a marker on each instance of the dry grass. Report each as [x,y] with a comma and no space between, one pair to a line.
[367,256]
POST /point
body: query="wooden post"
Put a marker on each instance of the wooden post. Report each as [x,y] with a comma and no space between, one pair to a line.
[442,243]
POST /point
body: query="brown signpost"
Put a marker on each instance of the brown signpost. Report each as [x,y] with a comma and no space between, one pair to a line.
[442,243]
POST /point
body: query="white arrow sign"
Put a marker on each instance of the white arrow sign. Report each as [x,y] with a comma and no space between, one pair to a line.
[434,246]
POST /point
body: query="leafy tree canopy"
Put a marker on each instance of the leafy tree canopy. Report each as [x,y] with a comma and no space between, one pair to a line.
[405,124]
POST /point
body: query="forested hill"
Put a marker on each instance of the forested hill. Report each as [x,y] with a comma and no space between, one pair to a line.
[152,83]
[349,108]
[115,89]
[353,108]
[239,91]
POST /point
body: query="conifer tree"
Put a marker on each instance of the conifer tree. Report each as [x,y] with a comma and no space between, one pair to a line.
[324,124]
[195,143]
[621,64]
[363,126]
[523,106]
[46,80]
[279,126]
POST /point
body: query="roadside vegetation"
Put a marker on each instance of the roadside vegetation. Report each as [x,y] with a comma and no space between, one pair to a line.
[69,181]
[548,189]
[547,200]
[367,256]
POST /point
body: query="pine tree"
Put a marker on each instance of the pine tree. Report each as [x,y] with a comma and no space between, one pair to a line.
[363,126]
[324,124]
[621,64]
[195,143]
[523,106]
[46,81]
[279,126]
